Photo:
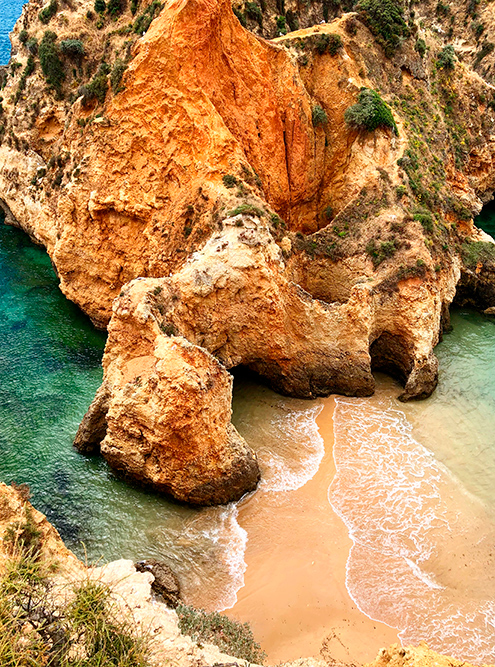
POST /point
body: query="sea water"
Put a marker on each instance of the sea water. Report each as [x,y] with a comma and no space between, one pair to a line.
[415,485]
[9,13]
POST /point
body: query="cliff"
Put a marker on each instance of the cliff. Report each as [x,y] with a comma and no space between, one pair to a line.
[200,192]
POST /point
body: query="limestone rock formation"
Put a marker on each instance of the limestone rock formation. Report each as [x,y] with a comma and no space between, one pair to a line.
[420,656]
[215,209]
[166,413]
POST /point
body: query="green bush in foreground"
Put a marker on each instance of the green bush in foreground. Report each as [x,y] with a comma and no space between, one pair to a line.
[231,637]
[370,112]
[36,630]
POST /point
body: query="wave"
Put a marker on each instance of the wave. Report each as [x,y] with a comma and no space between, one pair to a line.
[296,451]
[420,542]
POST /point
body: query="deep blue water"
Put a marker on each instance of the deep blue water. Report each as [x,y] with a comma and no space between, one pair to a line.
[10,10]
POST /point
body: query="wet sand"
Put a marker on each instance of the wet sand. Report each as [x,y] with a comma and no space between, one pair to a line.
[295,597]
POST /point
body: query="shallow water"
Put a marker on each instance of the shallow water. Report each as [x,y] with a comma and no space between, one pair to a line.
[50,368]
[415,485]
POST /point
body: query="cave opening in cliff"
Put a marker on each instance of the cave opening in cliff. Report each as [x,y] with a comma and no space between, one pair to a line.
[6,216]
[389,354]
[243,374]
[475,287]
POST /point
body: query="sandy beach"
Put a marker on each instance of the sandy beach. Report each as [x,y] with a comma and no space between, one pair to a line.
[295,597]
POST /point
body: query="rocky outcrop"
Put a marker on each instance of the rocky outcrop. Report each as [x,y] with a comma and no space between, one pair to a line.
[59,574]
[166,411]
[216,210]
[410,656]
[165,583]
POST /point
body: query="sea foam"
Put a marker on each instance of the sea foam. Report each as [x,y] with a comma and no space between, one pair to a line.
[418,537]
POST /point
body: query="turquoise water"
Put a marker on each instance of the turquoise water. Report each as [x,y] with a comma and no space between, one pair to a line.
[486,219]
[50,368]
[9,13]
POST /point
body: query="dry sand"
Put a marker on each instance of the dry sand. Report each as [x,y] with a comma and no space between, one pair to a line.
[295,597]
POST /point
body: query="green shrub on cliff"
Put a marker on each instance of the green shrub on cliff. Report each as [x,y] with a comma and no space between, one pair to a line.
[253,12]
[50,62]
[97,88]
[32,45]
[478,252]
[370,112]
[143,21]
[281,25]
[330,43]
[446,57]
[241,17]
[28,70]
[48,12]
[319,116]
[385,19]
[115,7]
[420,47]
[230,636]
[73,48]
[118,71]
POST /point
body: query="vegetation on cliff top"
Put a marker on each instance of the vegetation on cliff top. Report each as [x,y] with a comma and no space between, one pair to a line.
[38,628]
[385,19]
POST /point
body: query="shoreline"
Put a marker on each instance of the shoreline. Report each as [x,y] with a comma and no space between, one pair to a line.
[295,600]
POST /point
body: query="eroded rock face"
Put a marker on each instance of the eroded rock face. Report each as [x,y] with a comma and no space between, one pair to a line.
[164,410]
[165,583]
[166,390]
[411,656]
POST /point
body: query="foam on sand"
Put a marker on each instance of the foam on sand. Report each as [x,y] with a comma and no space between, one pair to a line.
[421,543]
